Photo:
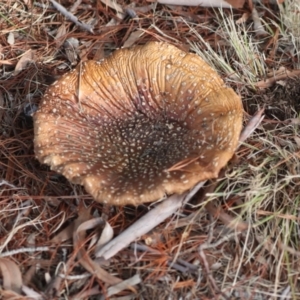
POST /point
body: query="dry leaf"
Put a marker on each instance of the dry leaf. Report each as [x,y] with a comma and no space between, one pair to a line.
[114,5]
[71,47]
[31,293]
[252,125]
[26,58]
[243,19]
[67,233]
[11,274]
[136,279]
[64,235]
[83,257]
[119,11]
[258,27]
[106,235]
[134,36]
[61,31]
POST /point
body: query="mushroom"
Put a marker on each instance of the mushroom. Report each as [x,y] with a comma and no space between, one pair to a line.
[146,122]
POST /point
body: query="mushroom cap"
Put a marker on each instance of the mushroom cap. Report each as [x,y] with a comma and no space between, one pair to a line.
[145,122]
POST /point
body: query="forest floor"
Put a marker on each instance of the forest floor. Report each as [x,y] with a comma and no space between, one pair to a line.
[205,250]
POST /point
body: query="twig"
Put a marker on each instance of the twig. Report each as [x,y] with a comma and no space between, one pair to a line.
[24,250]
[4,182]
[208,273]
[138,247]
[203,3]
[136,279]
[71,17]
[177,267]
[225,238]
[74,277]
[263,84]
[190,266]
[209,245]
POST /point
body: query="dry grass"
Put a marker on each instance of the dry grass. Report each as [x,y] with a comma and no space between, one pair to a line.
[195,254]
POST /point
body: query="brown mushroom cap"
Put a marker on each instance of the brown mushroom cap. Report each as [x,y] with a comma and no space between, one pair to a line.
[145,122]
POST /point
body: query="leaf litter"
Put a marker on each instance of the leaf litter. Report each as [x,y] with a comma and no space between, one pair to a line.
[238,237]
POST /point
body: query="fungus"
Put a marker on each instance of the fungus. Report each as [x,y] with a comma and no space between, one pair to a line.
[146,122]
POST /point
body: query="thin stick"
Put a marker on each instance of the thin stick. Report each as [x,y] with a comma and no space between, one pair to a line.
[203,3]
[71,17]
